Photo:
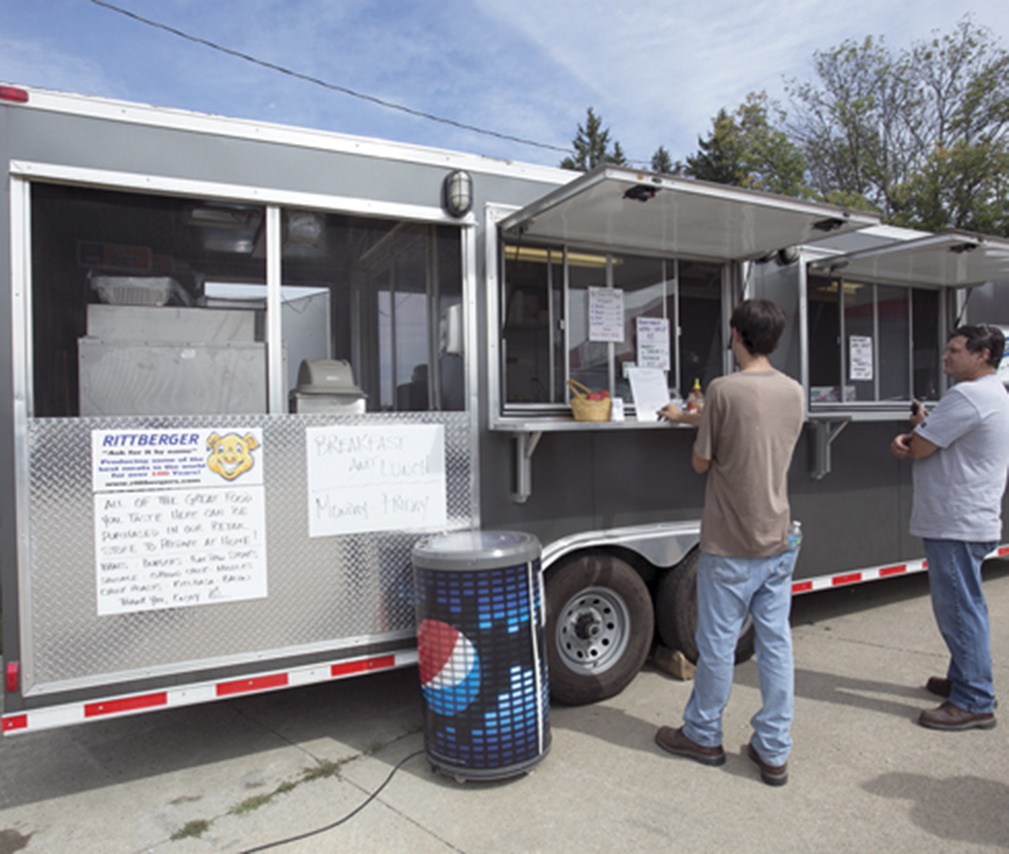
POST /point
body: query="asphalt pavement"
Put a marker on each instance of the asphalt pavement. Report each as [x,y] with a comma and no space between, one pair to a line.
[305,765]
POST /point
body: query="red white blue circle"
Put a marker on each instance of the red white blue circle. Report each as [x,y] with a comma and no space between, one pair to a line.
[449,667]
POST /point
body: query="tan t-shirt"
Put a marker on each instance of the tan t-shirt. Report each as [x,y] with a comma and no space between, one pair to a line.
[749,427]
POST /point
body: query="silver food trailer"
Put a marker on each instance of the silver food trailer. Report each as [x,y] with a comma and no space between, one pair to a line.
[247,367]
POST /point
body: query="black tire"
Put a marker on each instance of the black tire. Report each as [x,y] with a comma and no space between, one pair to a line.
[600,627]
[676,611]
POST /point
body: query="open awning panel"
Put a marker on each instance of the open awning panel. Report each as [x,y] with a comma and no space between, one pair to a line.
[951,259]
[633,210]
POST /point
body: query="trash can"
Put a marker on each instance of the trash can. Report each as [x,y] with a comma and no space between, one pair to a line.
[481,625]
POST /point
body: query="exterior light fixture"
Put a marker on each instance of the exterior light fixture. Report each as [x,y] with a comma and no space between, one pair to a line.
[458,193]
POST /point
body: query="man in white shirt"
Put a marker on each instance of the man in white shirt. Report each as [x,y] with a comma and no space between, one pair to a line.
[961,454]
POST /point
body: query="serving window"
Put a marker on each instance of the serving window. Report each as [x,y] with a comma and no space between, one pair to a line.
[146,304]
[572,313]
[872,343]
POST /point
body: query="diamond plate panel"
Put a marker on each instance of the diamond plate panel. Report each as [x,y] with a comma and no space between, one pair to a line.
[324,593]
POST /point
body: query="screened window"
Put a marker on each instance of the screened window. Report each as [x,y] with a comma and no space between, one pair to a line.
[574,314]
[157,305]
[871,343]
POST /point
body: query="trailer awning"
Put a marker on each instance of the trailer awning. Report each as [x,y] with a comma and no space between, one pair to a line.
[950,259]
[628,209]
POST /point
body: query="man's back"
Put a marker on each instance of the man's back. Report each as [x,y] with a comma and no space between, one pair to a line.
[751,423]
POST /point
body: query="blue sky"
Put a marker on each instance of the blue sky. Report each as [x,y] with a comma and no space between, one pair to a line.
[655,70]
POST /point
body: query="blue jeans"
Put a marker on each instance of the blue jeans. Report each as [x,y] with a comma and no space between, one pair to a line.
[954,577]
[728,587]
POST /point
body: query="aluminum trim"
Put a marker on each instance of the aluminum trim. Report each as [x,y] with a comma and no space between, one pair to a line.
[219,662]
[650,541]
[128,112]
[86,176]
[21,346]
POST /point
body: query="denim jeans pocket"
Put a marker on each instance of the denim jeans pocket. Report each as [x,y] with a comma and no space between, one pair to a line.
[730,571]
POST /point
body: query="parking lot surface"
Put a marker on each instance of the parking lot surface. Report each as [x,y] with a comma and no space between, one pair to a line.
[238,774]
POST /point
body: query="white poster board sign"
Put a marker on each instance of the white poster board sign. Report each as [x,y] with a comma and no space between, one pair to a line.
[180,518]
[375,478]
[650,391]
[606,315]
[653,343]
[859,358]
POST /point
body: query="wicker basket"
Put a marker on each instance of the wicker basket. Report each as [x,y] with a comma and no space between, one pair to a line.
[584,409]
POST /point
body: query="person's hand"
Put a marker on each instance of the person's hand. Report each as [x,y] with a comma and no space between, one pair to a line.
[900,447]
[671,412]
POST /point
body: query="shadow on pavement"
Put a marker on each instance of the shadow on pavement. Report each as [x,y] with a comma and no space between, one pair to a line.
[957,809]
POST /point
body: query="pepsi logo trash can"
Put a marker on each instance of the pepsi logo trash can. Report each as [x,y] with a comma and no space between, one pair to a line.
[480,637]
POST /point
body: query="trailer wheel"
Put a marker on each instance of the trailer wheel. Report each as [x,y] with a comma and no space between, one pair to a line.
[600,626]
[676,611]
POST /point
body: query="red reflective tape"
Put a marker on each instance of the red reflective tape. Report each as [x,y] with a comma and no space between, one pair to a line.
[225,689]
[126,704]
[362,666]
[892,570]
[846,579]
[12,677]
[15,722]
[802,586]
[1003,550]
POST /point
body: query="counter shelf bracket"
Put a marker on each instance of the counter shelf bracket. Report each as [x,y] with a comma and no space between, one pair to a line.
[525,445]
[824,434]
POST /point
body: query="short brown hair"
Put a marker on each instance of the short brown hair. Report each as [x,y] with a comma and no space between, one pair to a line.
[759,323]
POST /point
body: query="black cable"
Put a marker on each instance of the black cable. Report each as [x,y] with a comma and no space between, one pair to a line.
[318,82]
[347,817]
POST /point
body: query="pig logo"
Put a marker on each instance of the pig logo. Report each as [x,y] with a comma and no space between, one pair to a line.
[231,454]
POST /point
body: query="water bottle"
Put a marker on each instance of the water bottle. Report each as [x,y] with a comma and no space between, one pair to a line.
[794,535]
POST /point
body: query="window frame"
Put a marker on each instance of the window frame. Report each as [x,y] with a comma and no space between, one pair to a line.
[23,174]
[876,404]
[501,411]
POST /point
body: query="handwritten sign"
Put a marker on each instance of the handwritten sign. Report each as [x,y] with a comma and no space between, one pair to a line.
[653,343]
[859,358]
[180,518]
[179,548]
[375,478]
[606,315]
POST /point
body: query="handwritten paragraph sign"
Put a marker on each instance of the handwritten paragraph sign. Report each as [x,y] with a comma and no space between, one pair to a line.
[653,343]
[200,538]
[375,478]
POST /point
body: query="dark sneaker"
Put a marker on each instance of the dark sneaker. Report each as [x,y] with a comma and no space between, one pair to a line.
[773,775]
[951,718]
[939,685]
[675,742]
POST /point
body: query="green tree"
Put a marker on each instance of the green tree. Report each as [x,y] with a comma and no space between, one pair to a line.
[663,163]
[592,146]
[747,148]
[920,136]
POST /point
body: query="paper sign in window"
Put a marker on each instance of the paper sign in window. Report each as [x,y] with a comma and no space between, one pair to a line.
[859,358]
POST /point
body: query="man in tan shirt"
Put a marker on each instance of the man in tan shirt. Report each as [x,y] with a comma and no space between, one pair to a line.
[748,430]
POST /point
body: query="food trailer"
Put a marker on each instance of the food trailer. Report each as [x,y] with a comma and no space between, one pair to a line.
[247,367]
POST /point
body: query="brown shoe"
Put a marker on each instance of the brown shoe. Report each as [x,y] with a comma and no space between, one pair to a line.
[939,685]
[951,718]
[675,742]
[773,775]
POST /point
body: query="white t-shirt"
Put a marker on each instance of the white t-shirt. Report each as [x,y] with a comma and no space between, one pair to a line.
[958,489]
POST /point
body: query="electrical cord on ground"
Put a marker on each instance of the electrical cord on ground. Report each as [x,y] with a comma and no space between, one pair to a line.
[274,67]
[337,823]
